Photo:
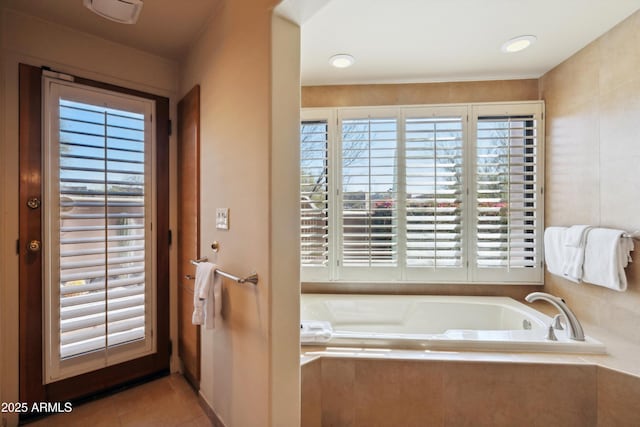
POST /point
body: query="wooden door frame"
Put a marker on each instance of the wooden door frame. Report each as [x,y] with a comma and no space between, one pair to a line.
[32,387]
[190,101]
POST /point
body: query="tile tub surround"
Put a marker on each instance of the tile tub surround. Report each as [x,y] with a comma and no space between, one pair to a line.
[592,106]
[371,392]
[419,93]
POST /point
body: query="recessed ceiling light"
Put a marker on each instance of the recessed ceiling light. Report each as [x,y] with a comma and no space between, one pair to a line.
[122,11]
[518,43]
[342,60]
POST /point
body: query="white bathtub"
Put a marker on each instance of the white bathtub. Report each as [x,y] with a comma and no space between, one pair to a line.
[438,323]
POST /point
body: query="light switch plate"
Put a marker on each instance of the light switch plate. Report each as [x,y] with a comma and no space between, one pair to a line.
[222,218]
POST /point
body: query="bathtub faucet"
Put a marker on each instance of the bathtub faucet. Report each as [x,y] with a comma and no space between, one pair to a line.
[573,325]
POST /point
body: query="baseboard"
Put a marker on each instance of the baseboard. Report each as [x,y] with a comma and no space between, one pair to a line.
[211,414]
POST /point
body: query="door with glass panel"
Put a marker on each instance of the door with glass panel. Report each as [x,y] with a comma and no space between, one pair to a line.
[99,263]
[100,242]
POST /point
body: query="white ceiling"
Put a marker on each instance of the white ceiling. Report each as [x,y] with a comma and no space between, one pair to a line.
[165,27]
[449,40]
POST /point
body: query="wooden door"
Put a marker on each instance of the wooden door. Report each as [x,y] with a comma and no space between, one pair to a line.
[33,385]
[188,230]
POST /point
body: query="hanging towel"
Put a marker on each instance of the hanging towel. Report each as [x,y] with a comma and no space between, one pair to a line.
[575,241]
[207,296]
[554,249]
[315,331]
[606,256]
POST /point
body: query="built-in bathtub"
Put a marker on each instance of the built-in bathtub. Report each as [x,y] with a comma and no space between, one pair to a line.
[437,323]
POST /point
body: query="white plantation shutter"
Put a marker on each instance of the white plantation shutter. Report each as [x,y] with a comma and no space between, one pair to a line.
[100,255]
[314,194]
[508,196]
[435,200]
[432,194]
[369,191]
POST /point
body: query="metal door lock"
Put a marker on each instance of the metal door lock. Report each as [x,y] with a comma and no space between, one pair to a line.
[34,246]
[33,203]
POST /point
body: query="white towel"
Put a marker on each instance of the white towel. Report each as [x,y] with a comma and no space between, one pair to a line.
[315,331]
[575,240]
[606,256]
[554,249]
[207,296]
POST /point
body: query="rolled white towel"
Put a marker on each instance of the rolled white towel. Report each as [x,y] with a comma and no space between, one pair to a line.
[315,331]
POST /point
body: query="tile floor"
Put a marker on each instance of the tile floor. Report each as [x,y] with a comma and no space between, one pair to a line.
[165,402]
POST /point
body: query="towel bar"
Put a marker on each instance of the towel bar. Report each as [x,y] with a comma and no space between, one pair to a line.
[252,278]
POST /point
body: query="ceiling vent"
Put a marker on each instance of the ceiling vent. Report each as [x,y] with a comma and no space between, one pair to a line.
[122,11]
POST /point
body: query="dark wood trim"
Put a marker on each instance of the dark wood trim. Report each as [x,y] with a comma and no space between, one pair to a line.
[30,228]
[188,243]
[32,388]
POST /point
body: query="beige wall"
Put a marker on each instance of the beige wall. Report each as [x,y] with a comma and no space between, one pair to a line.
[36,42]
[239,166]
[285,218]
[592,157]
[352,392]
[420,93]
[368,392]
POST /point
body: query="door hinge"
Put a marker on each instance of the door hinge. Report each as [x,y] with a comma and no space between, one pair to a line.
[18,247]
[338,262]
[170,237]
[169,127]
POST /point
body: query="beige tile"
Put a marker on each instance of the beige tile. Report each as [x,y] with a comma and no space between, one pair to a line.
[620,155]
[311,394]
[338,383]
[575,81]
[203,421]
[620,54]
[168,401]
[494,91]
[618,399]
[519,395]
[419,93]
[572,165]
[398,393]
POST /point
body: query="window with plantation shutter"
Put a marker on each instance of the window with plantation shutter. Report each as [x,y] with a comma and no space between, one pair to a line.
[435,186]
[314,194]
[508,196]
[99,257]
[369,190]
[432,194]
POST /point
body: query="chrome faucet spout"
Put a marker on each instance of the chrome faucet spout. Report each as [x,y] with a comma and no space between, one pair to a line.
[574,328]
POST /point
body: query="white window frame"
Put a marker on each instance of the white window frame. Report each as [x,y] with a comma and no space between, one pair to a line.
[317,273]
[522,275]
[413,274]
[470,274]
[54,368]
[348,273]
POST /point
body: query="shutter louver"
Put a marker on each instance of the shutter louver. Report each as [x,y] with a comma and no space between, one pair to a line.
[434,191]
[102,225]
[369,192]
[314,194]
[507,192]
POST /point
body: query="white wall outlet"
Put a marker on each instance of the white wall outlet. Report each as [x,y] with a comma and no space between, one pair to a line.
[222,218]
